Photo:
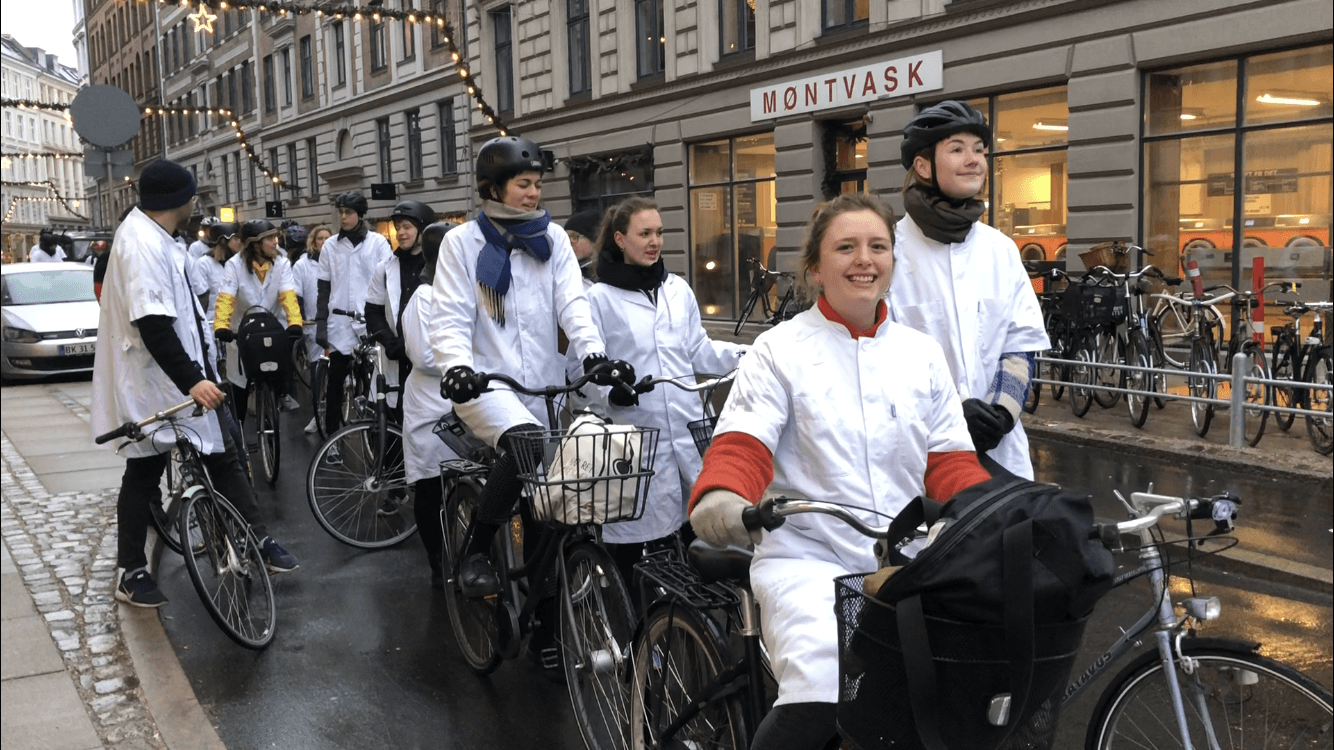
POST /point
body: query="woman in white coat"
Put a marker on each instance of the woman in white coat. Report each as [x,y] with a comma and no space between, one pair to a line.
[838,405]
[651,319]
[503,283]
[258,276]
[961,282]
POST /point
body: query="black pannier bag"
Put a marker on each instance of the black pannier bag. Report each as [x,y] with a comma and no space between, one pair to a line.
[262,340]
[970,645]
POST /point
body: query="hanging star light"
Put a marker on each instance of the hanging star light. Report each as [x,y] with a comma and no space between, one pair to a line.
[203,19]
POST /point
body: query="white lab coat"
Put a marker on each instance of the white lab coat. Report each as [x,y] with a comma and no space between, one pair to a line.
[541,295]
[145,276]
[849,421]
[198,249]
[975,299]
[348,269]
[243,284]
[667,340]
[38,255]
[422,404]
[208,272]
[386,289]
[306,276]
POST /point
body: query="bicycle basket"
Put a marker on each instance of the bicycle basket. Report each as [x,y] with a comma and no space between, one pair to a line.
[702,431]
[594,473]
[970,668]
[1093,305]
[1111,254]
[263,344]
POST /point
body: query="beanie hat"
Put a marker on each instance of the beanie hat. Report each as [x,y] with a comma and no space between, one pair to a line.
[585,223]
[164,185]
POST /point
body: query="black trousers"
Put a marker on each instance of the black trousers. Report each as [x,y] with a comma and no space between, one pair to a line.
[426,511]
[139,487]
[333,389]
[798,726]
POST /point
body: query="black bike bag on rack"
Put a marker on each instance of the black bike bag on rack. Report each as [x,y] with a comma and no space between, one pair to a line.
[262,340]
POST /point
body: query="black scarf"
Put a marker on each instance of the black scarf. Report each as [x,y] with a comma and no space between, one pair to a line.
[940,217]
[613,270]
[356,235]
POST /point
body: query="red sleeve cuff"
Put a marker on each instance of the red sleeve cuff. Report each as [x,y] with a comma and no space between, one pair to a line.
[947,473]
[737,462]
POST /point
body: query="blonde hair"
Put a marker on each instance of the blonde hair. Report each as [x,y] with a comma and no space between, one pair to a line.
[818,227]
[310,237]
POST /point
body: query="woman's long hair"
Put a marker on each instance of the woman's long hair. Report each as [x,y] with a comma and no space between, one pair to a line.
[617,219]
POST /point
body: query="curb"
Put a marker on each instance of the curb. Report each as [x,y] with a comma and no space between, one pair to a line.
[181,720]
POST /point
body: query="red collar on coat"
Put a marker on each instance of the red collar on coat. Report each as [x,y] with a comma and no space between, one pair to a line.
[881,311]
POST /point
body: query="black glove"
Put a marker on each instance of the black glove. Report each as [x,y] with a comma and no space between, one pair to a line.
[987,423]
[623,397]
[619,371]
[294,331]
[393,347]
[224,335]
[460,384]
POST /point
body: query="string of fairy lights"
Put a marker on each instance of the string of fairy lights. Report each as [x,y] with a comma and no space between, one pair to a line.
[270,174]
[47,184]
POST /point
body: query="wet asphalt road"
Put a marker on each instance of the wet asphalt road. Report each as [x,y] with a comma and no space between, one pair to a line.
[364,657]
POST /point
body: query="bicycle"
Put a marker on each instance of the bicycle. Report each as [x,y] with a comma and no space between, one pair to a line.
[1061,332]
[221,552]
[1094,309]
[357,476]
[1136,340]
[263,337]
[1292,352]
[1246,340]
[596,620]
[762,285]
[357,393]
[1187,691]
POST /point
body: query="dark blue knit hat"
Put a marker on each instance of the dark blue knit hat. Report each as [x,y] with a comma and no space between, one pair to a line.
[164,185]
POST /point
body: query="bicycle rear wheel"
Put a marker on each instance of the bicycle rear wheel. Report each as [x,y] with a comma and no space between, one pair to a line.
[1240,698]
[267,432]
[1137,355]
[597,625]
[1318,429]
[1257,395]
[1285,368]
[746,310]
[677,654]
[1110,351]
[319,382]
[227,569]
[472,620]
[1081,376]
[348,489]
[1200,386]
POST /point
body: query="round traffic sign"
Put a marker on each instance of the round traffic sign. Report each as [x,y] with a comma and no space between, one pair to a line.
[105,116]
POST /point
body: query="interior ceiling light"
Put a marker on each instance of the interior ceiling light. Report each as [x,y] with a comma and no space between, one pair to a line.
[1291,100]
[1040,125]
[1188,116]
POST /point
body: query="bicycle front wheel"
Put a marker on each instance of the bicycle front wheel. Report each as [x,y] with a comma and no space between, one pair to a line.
[1285,368]
[1200,386]
[597,625]
[746,310]
[359,498]
[1109,351]
[1237,697]
[1257,395]
[472,620]
[166,508]
[267,432]
[319,383]
[1081,377]
[1318,429]
[227,569]
[677,654]
[1141,383]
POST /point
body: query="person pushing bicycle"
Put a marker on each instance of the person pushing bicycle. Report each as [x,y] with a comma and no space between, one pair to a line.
[152,348]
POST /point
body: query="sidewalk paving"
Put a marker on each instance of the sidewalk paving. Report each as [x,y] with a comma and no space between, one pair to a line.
[81,672]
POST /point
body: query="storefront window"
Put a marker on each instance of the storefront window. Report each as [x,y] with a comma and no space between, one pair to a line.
[732,217]
[845,157]
[1281,147]
[599,182]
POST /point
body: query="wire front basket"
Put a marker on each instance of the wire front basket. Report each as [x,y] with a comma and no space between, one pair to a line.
[702,431]
[595,473]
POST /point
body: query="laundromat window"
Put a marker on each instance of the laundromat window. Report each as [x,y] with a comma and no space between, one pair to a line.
[1194,98]
[1288,86]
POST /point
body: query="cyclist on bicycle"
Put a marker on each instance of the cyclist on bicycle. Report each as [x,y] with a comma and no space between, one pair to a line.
[838,405]
[151,336]
[259,276]
[962,282]
[347,262]
[503,283]
[651,318]
[423,405]
[305,272]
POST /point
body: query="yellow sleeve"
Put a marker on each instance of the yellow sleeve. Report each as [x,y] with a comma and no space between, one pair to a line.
[222,311]
[287,299]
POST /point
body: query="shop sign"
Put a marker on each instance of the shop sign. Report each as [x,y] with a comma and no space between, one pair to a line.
[901,76]
[1258,181]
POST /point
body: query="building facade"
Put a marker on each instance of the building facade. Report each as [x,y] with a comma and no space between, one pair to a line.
[42,160]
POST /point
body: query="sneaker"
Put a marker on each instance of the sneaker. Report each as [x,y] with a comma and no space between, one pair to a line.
[388,507]
[276,558]
[138,589]
[476,578]
[312,428]
[289,403]
[333,456]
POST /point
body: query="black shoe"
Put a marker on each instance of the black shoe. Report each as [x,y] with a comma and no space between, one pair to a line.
[476,578]
[138,589]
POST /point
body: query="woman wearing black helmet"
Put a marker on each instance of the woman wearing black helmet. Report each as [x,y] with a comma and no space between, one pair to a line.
[257,276]
[226,237]
[502,284]
[961,281]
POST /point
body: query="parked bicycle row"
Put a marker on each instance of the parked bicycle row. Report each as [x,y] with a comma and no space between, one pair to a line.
[1114,337]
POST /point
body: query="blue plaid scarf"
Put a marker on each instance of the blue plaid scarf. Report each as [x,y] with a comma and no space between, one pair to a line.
[493,263]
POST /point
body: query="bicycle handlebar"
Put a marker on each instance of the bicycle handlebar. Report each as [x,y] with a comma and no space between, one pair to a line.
[756,262]
[486,378]
[713,381]
[353,314]
[134,430]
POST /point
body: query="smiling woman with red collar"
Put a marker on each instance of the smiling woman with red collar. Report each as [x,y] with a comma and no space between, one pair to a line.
[837,405]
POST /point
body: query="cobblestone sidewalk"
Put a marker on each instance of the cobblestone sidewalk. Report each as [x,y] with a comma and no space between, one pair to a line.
[64,547]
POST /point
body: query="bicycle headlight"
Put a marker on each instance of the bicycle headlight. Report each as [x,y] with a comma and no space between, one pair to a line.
[1203,609]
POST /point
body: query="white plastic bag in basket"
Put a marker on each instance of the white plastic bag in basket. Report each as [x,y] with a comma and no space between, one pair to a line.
[601,452]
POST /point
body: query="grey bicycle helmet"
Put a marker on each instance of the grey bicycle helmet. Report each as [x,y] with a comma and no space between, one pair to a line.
[257,228]
[936,123]
[353,200]
[415,211]
[296,236]
[499,159]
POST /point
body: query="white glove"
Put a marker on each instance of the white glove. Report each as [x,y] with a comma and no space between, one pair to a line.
[717,520]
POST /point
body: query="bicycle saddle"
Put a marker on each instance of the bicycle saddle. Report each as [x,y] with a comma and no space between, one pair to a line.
[713,564]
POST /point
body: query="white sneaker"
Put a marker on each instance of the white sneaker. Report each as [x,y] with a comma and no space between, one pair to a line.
[312,427]
[290,404]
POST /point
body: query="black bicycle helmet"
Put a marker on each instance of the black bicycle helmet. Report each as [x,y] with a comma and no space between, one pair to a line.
[936,123]
[353,200]
[256,228]
[501,158]
[432,237]
[415,211]
[225,230]
[296,236]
